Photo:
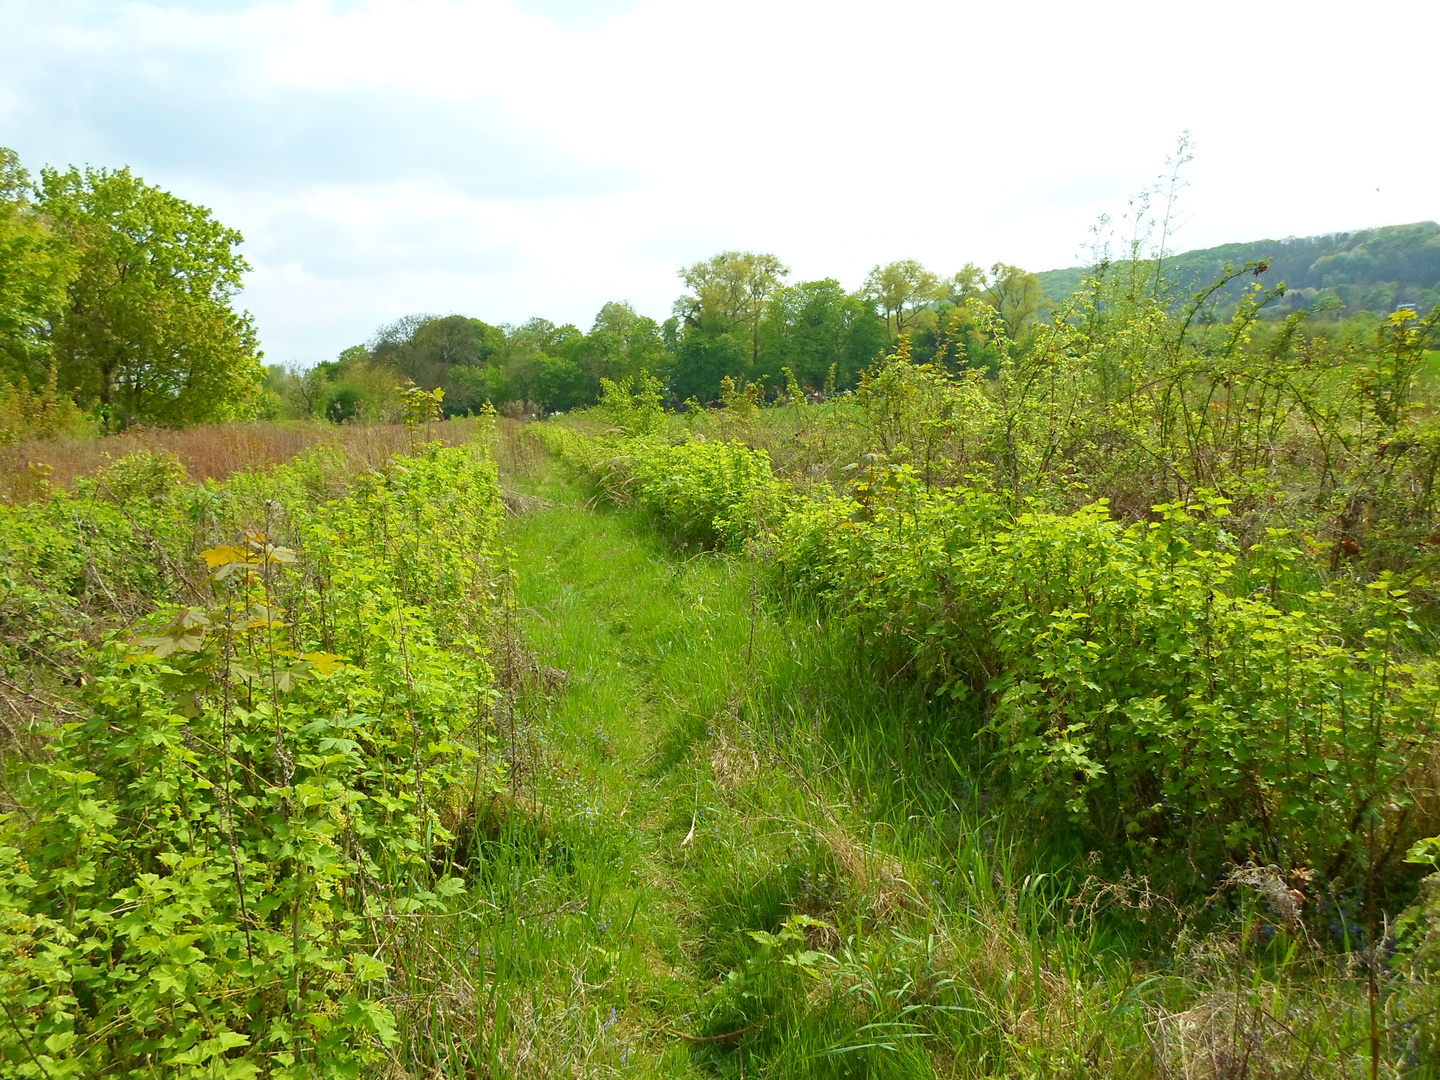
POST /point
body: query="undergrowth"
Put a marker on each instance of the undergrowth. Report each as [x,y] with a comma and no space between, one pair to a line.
[211,865]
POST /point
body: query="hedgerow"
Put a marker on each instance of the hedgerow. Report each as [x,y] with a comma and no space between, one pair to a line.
[1126,684]
[713,493]
[202,873]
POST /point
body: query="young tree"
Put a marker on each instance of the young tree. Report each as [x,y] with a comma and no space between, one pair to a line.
[150,331]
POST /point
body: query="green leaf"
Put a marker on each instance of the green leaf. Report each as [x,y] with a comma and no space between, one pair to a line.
[59,1042]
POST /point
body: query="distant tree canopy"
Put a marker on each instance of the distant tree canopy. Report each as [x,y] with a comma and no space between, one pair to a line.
[123,295]
[1334,275]
[535,367]
[739,318]
[431,352]
[902,290]
[821,333]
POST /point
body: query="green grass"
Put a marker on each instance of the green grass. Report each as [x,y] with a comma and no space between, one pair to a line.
[1430,367]
[712,764]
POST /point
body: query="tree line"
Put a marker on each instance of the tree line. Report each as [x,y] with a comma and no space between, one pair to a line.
[118,307]
[738,318]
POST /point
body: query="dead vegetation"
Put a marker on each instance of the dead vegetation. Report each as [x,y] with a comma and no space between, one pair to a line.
[206,451]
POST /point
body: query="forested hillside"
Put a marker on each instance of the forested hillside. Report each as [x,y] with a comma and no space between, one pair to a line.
[1334,275]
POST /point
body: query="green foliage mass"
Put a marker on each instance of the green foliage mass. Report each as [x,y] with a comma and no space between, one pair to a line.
[713,494]
[739,321]
[201,874]
[35,265]
[149,331]
[535,367]
[821,332]
[1126,685]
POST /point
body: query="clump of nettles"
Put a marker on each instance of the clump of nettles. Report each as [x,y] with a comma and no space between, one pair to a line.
[204,871]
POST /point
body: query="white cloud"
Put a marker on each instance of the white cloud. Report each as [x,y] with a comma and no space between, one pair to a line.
[399,155]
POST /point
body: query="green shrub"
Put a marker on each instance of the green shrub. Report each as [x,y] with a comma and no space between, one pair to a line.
[633,405]
[718,494]
[204,873]
[1126,686]
[715,494]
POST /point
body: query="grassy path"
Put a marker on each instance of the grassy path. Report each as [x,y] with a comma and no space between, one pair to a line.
[661,773]
[651,647]
[735,846]
[693,764]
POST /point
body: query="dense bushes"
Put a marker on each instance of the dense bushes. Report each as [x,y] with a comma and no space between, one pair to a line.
[202,874]
[714,493]
[1127,682]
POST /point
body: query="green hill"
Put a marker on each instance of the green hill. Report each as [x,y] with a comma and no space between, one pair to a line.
[1344,272]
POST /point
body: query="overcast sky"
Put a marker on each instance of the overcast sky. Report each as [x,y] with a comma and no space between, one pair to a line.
[510,158]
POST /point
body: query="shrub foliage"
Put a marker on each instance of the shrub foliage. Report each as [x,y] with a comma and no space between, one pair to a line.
[201,874]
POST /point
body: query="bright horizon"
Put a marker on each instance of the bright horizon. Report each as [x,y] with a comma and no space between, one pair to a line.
[541,157]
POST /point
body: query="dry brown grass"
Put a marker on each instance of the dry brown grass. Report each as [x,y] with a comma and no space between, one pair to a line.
[519,454]
[209,451]
[1225,1036]
[871,874]
[732,766]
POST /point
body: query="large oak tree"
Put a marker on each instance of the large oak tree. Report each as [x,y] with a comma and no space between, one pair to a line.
[150,333]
